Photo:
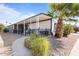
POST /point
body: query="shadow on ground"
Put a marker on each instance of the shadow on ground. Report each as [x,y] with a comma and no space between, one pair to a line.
[56,45]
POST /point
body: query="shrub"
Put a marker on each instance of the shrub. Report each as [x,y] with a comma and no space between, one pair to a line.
[6,30]
[1,27]
[68,29]
[76,29]
[30,40]
[27,43]
[38,44]
[34,36]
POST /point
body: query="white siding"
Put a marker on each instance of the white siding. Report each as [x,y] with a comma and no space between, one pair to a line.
[45,24]
[32,26]
[42,25]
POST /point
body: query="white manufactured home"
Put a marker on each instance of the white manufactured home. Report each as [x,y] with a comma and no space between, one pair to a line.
[38,23]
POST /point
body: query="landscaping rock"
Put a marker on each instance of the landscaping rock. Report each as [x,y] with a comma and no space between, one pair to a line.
[1,42]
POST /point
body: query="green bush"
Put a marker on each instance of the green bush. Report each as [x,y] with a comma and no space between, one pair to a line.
[34,36]
[27,43]
[1,27]
[30,40]
[68,29]
[38,44]
[6,30]
[76,29]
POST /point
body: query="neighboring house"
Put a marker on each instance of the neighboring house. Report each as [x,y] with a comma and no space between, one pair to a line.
[38,23]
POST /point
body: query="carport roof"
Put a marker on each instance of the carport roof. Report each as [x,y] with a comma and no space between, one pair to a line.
[42,16]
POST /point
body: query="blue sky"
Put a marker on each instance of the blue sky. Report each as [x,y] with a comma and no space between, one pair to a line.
[29,7]
[14,12]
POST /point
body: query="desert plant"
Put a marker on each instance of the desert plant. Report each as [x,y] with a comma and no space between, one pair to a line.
[1,27]
[33,36]
[40,46]
[6,30]
[27,43]
[76,29]
[68,29]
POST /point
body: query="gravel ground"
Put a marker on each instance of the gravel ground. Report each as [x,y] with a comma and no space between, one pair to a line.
[8,39]
[5,51]
[63,46]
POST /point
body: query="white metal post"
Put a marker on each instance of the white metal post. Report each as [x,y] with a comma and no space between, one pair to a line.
[24,27]
[17,28]
[13,28]
[30,24]
[37,23]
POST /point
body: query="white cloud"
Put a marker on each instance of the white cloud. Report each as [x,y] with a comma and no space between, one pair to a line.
[11,15]
[8,11]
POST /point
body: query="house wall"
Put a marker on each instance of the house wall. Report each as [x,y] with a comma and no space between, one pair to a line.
[42,25]
[32,26]
[45,24]
[48,24]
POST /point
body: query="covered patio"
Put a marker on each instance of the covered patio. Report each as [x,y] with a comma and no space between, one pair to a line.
[35,23]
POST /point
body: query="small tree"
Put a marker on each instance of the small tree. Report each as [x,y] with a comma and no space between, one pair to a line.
[76,29]
[68,29]
[1,27]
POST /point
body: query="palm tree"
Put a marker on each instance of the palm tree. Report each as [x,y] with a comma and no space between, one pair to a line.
[63,11]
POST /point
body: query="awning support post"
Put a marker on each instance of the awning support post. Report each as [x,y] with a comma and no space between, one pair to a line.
[24,28]
[17,28]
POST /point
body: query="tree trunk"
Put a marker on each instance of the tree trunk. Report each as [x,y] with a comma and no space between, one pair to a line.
[59,28]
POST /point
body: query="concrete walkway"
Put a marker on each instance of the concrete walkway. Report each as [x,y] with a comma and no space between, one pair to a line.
[75,49]
[19,49]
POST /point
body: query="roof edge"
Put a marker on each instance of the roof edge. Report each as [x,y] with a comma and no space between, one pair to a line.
[31,17]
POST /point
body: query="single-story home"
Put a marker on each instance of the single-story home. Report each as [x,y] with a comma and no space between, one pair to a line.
[38,23]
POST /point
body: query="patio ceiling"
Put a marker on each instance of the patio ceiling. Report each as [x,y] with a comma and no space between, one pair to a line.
[41,16]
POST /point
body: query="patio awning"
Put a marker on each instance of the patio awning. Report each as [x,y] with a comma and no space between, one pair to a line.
[41,17]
